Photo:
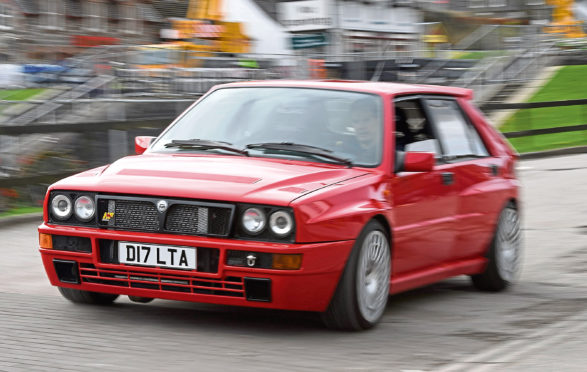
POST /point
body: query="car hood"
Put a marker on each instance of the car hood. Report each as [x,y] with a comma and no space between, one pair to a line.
[222,178]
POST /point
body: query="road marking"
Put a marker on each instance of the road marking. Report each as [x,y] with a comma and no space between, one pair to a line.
[508,351]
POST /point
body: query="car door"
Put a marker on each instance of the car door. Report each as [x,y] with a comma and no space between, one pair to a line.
[476,177]
[424,203]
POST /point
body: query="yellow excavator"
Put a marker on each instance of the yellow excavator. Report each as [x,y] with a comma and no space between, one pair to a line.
[205,9]
[563,21]
[201,34]
[211,32]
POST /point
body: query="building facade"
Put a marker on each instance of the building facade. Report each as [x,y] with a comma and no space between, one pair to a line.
[50,30]
[371,27]
[495,11]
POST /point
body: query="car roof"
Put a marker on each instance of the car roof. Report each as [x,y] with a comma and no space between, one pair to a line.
[359,86]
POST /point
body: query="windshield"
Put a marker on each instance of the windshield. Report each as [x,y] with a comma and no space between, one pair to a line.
[346,125]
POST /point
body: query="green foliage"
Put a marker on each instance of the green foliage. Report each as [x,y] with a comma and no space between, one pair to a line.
[18,94]
[549,141]
[479,54]
[567,84]
[21,210]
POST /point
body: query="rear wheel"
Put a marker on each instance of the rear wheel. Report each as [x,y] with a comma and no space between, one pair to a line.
[361,295]
[504,254]
[85,297]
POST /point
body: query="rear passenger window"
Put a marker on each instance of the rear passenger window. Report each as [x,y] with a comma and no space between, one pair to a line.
[458,137]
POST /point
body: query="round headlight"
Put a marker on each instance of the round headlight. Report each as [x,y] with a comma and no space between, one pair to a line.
[84,208]
[254,221]
[281,223]
[61,207]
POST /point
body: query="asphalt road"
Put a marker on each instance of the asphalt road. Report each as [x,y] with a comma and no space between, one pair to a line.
[538,325]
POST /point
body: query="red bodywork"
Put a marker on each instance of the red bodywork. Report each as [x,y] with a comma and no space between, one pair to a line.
[436,231]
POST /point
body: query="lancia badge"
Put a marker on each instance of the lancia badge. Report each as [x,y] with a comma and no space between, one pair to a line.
[251,258]
[162,206]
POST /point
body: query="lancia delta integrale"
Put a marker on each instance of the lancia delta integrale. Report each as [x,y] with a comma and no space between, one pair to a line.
[312,196]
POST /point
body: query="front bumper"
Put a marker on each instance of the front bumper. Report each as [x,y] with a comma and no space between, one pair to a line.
[309,289]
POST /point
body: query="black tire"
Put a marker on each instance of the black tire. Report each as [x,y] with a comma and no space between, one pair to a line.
[85,297]
[501,272]
[344,311]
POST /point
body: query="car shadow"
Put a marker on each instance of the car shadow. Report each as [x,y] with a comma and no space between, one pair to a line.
[217,318]
[230,319]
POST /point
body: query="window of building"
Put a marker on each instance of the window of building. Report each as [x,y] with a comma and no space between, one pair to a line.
[129,19]
[477,3]
[351,12]
[6,17]
[95,16]
[51,14]
[497,3]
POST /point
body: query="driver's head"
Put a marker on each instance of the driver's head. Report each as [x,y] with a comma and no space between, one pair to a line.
[365,121]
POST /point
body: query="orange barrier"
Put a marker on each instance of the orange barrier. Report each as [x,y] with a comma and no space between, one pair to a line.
[317,69]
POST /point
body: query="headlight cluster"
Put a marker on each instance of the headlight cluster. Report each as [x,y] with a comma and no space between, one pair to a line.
[281,223]
[250,221]
[254,221]
[63,205]
[269,222]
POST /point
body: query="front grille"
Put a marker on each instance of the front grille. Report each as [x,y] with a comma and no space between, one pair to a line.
[229,286]
[136,215]
[188,219]
[181,217]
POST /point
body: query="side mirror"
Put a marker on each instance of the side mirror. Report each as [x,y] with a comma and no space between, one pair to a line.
[416,162]
[142,143]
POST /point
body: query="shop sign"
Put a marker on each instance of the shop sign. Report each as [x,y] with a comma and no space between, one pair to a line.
[378,17]
[308,41]
[305,15]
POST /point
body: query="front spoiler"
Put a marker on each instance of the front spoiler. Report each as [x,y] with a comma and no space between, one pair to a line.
[308,289]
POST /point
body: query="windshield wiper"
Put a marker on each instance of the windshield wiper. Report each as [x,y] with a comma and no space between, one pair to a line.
[304,149]
[206,145]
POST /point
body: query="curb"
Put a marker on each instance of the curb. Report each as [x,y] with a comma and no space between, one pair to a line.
[551,153]
[21,218]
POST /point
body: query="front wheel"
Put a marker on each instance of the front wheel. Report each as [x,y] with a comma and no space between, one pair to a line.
[504,254]
[85,297]
[361,295]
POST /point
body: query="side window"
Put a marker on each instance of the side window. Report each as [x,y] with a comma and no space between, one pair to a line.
[413,131]
[458,137]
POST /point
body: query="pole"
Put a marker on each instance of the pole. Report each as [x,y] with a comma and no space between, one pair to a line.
[336,42]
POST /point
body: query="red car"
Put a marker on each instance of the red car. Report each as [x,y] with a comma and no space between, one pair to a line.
[302,195]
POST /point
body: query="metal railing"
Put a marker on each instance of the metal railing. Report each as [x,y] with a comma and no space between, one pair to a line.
[490,75]
[160,123]
[561,128]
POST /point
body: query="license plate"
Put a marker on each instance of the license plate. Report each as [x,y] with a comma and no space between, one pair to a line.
[169,256]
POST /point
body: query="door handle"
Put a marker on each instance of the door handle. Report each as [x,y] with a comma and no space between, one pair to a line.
[493,169]
[447,178]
